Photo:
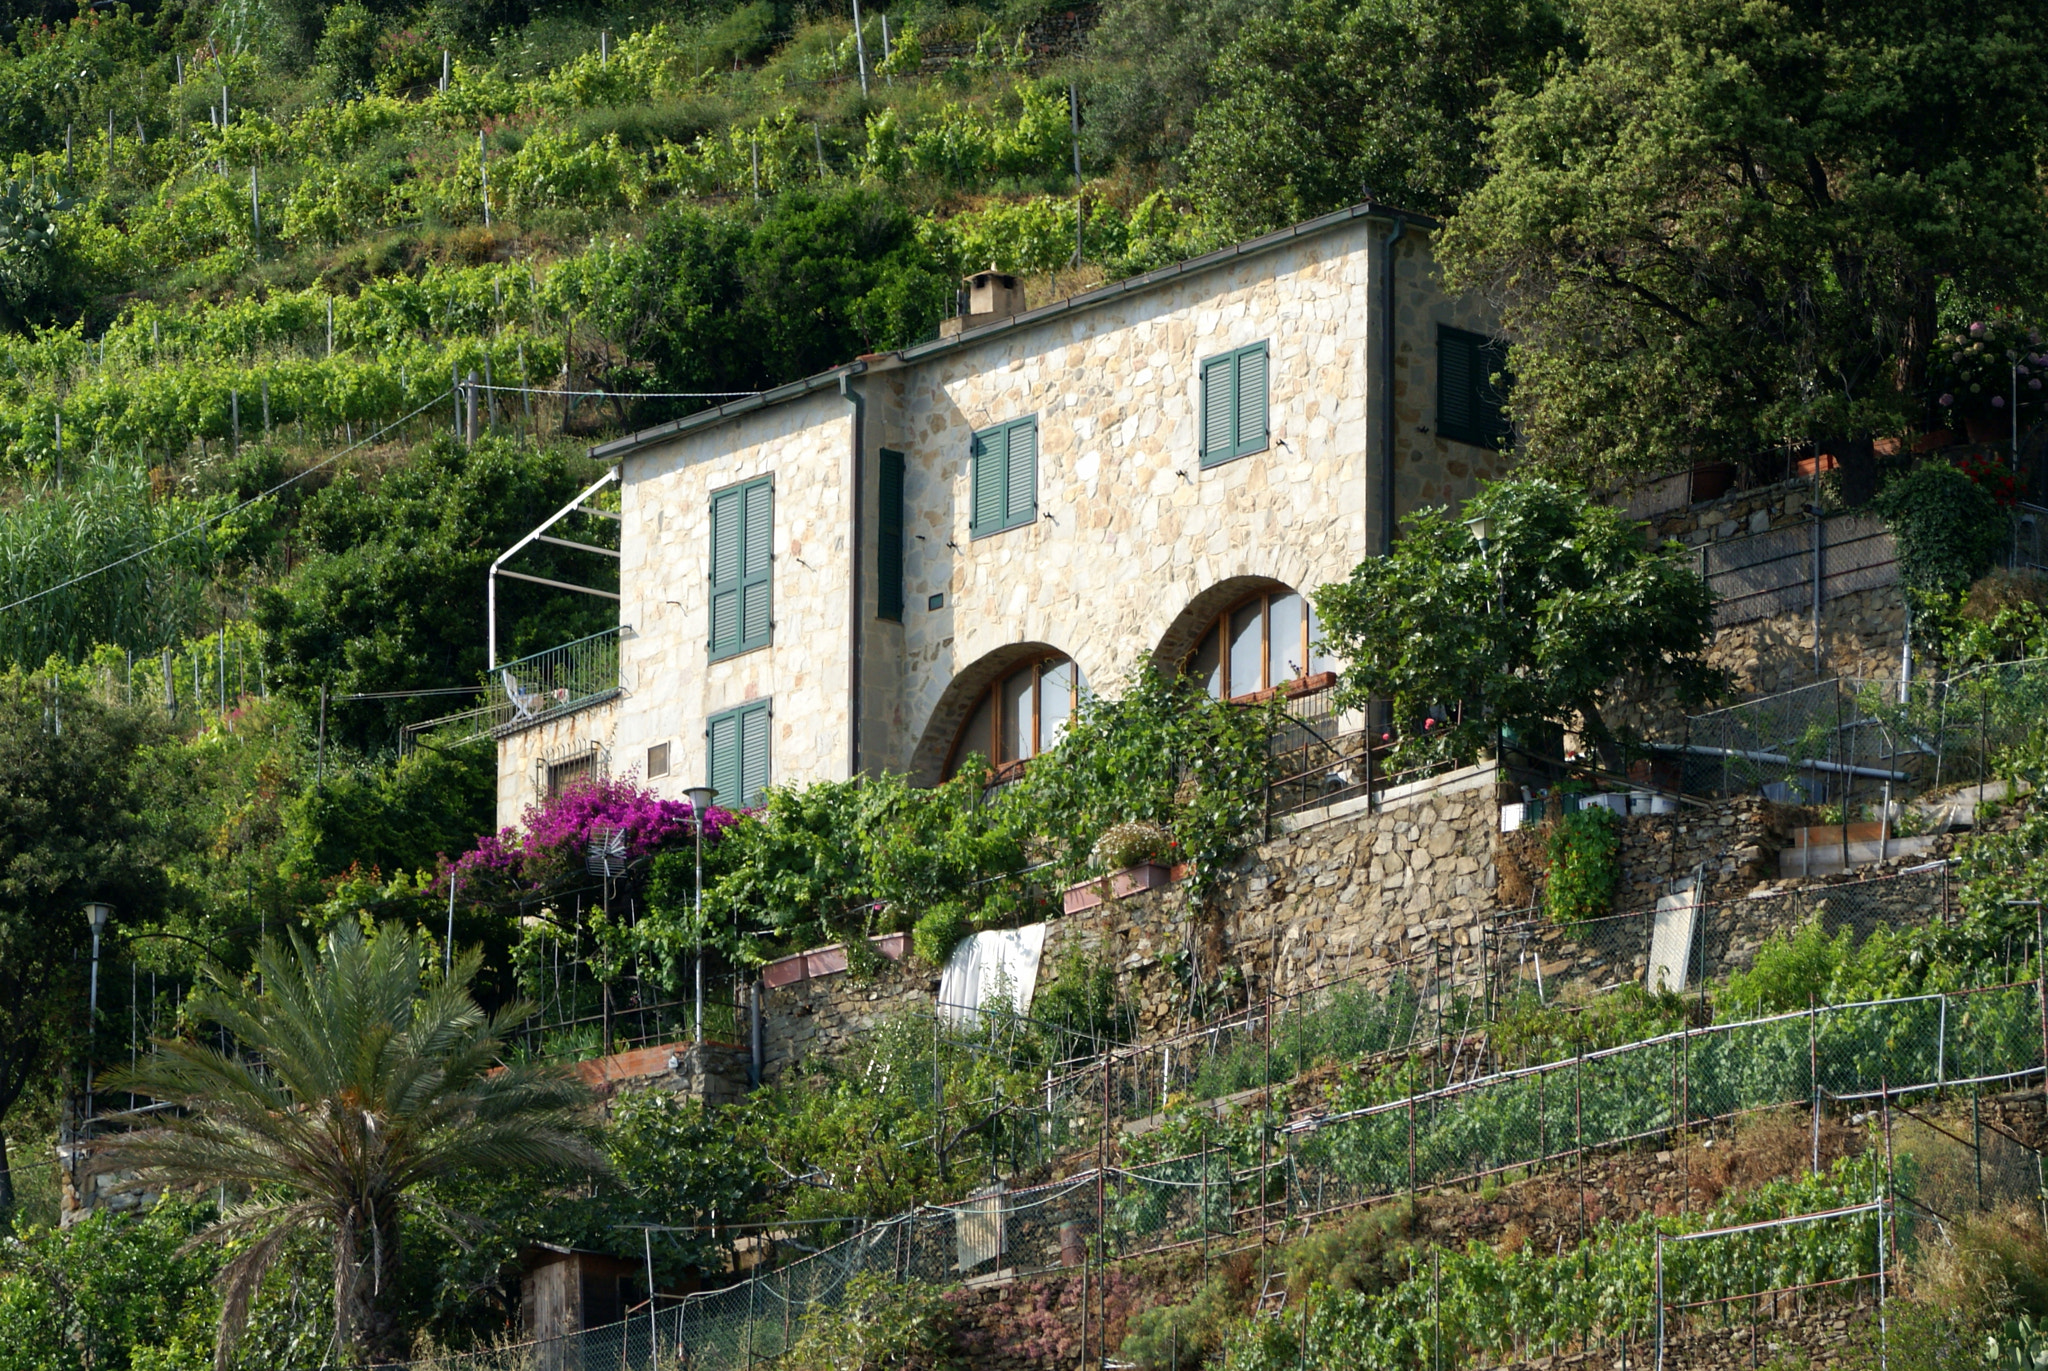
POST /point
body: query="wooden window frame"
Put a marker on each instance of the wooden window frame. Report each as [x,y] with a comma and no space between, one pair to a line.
[1003,770]
[1220,626]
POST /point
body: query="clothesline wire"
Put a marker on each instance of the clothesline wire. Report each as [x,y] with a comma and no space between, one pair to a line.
[621,394]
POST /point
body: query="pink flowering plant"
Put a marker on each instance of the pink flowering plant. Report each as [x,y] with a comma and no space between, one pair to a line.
[1979,367]
[555,835]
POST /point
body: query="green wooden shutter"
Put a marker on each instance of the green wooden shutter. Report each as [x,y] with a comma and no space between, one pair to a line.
[738,743]
[1234,404]
[1020,505]
[889,540]
[757,617]
[753,753]
[1468,400]
[728,525]
[722,735]
[1454,385]
[1250,393]
[742,568]
[1219,410]
[1004,477]
[991,461]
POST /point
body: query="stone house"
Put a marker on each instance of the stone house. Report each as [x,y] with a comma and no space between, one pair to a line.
[924,554]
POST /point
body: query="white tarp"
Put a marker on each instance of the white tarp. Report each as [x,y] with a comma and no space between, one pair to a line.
[1671,939]
[999,964]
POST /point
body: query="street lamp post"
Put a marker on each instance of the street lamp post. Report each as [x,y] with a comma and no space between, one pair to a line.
[96,913]
[701,797]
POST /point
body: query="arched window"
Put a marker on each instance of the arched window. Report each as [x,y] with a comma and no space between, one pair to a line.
[1021,715]
[1260,643]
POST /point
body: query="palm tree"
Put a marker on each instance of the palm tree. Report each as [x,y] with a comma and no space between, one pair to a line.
[355,1081]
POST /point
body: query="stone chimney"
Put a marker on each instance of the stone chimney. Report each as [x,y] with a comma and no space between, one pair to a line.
[991,297]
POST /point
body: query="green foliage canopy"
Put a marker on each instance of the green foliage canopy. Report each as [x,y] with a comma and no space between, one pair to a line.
[73,774]
[1535,631]
[392,595]
[1948,529]
[375,1080]
[1725,224]
[1320,101]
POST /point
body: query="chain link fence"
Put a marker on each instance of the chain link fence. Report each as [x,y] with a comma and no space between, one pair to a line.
[1258,1172]
[1857,740]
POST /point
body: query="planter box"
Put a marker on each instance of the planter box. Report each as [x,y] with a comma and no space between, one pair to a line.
[1826,835]
[1130,881]
[828,961]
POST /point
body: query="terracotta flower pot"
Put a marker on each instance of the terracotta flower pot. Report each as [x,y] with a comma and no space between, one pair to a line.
[1995,428]
[1711,480]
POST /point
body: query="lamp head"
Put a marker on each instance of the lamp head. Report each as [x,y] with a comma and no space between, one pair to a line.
[701,797]
[1482,528]
[97,914]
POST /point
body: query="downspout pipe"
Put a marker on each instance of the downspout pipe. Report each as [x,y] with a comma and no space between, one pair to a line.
[857,553]
[1388,426]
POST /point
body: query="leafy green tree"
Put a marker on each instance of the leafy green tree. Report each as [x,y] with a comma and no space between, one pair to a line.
[718,301]
[359,1080]
[1534,631]
[392,595]
[1152,70]
[1320,101]
[831,859]
[1727,224]
[158,564]
[112,1292]
[71,830]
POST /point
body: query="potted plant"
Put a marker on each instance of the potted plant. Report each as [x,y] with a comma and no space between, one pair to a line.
[1136,856]
[1980,370]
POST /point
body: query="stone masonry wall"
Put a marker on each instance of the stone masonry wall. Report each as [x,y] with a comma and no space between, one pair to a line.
[1356,893]
[808,1024]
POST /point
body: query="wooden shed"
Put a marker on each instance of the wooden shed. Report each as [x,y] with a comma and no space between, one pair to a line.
[566,1289]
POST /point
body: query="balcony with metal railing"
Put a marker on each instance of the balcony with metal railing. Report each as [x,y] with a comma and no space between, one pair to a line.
[533,690]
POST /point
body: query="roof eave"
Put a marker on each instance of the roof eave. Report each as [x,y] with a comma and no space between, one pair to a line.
[1073,304]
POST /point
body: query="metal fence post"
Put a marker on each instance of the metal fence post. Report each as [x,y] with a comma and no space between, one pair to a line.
[1941,1048]
[1660,1302]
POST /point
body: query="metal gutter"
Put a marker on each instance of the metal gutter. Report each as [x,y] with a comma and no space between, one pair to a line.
[1076,304]
[1389,427]
[857,548]
[810,385]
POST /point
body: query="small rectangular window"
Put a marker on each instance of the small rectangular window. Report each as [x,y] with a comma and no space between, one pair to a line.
[737,744]
[1234,405]
[1004,477]
[1471,388]
[742,564]
[570,772]
[889,539]
[657,760]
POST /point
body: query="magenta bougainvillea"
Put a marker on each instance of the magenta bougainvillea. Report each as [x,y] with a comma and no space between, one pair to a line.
[554,835]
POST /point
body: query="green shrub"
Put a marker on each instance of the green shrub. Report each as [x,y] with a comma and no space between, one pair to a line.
[938,932]
[1584,850]
[1948,528]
